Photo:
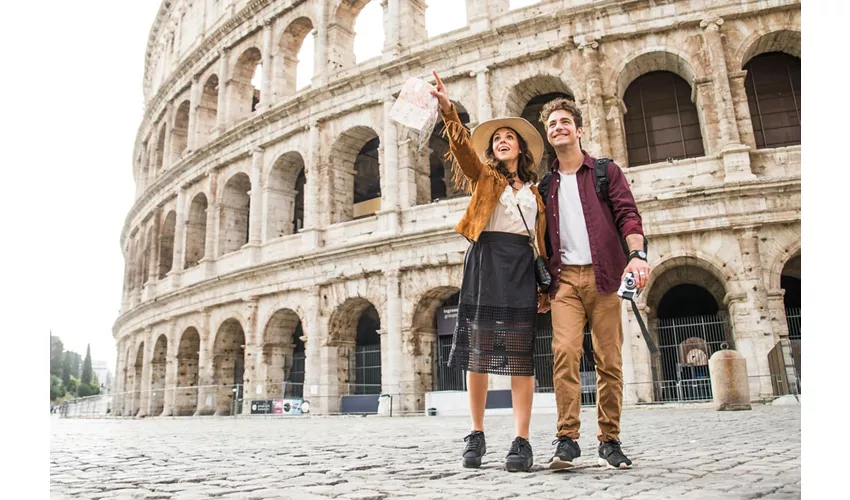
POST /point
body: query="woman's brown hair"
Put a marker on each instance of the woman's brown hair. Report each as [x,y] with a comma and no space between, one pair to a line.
[526,170]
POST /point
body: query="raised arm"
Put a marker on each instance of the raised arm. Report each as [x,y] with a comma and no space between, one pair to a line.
[466,165]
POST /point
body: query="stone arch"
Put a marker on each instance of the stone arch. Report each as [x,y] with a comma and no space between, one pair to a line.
[788,41]
[244,96]
[158,364]
[645,60]
[356,175]
[166,244]
[196,231]
[284,201]
[430,349]
[188,372]
[777,266]
[235,211]
[440,185]
[341,34]
[353,331]
[228,366]
[689,321]
[207,113]
[291,42]
[281,339]
[180,132]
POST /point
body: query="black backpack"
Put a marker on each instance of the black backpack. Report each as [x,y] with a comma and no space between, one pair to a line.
[600,171]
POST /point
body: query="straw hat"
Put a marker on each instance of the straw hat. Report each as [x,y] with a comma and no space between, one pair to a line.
[484,131]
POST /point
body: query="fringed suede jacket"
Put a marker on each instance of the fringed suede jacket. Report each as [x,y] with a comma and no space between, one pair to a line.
[484,182]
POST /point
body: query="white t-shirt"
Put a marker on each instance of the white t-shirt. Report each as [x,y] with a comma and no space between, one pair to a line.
[505,217]
[575,244]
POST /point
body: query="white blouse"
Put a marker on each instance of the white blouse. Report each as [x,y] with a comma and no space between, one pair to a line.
[505,217]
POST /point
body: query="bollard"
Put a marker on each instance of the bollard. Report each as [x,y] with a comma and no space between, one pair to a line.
[729,384]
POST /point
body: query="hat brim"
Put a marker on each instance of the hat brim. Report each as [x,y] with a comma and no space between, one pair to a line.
[484,131]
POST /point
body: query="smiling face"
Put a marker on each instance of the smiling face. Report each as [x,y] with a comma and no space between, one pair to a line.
[561,130]
[505,144]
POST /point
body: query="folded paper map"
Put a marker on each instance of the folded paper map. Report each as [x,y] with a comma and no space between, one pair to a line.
[416,109]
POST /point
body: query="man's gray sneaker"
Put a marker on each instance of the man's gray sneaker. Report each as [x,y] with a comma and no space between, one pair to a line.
[612,457]
[566,453]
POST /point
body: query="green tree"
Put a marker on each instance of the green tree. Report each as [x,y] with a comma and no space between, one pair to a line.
[56,350]
[73,383]
[66,368]
[86,375]
[57,389]
[83,390]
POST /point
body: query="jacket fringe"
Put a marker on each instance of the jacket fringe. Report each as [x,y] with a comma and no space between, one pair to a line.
[457,133]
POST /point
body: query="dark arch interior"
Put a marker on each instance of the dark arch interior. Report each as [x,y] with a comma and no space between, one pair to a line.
[440,169]
[367,180]
[368,326]
[687,300]
[793,291]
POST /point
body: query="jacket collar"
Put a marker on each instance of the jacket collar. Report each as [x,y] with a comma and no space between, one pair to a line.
[588,162]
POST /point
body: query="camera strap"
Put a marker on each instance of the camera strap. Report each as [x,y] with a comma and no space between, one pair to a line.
[650,344]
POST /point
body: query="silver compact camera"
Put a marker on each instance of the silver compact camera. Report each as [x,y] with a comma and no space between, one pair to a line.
[628,288]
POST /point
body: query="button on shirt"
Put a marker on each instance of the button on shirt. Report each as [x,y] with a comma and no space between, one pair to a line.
[575,244]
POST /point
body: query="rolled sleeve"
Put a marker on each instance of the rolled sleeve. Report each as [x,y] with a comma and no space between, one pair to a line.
[625,210]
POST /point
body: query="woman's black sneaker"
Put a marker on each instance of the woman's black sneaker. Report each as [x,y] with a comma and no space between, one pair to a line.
[474,450]
[612,457]
[520,458]
[566,453]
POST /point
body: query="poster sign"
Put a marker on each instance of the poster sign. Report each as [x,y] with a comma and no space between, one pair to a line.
[261,406]
[287,407]
[446,320]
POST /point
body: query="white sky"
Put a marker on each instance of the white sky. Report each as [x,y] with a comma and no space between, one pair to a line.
[92,89]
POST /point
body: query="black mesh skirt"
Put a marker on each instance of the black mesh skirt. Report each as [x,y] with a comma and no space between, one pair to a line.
[497,309]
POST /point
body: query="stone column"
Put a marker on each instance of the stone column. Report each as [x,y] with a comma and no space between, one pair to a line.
[743,118]
[616,129]
[118,381]
[597,144]
[638,380]
[392,28]
[736,158]
[153,261]
[480,14]
[253,355]
[391,372]
[311,232]
[389,179]
[207,262]
[223,108]
[320,45]
[313,335]
[205,366]
[145,396]
[485,103]
[255,216]
[411,24]
[266,84]
[194,102]
[171,371]
[180,235]
[748,309]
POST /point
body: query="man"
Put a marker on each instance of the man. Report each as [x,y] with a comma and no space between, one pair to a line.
[588,263]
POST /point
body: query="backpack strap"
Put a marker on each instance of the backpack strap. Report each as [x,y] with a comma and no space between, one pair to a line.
[543,186]
[600,170]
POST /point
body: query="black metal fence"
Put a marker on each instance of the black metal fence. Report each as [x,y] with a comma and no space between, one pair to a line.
[448,378]
[367,370]
[544,363]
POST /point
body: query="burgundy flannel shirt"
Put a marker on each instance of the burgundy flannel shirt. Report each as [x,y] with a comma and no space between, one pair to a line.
[606,251]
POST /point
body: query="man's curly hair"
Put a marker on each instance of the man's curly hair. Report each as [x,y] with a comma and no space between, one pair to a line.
[560,103]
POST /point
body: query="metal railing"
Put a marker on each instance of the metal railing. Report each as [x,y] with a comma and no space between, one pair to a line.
[544,365]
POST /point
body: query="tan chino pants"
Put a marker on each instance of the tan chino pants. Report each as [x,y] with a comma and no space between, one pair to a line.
[576,302]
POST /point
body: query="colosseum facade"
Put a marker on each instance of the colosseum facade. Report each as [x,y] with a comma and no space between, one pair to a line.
[295,242]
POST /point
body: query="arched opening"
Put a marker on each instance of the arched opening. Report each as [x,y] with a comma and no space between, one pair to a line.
[158,363]
[235,213]
[531,112]
[296,54]
[661,122]
[284,196]
[354,331]
[440,177]
[142,163]
[279,344]
[188,353]
[773,93]
[441,324]
[127,388]
[136,400]
[196,231]
[245,84]
[148,255]
[356,27]
[791,282]
[159,153]
[229,367]
[296,366]
[367,361]
[356,175]
[180,132]
[166,244]
[208,110]
[690,323]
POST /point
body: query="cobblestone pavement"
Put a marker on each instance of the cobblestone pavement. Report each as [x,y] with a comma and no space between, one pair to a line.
[678,452]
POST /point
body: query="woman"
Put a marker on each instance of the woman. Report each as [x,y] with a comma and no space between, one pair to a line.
[498,297]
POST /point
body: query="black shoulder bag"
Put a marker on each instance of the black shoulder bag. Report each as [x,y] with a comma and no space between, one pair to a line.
[541,272]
